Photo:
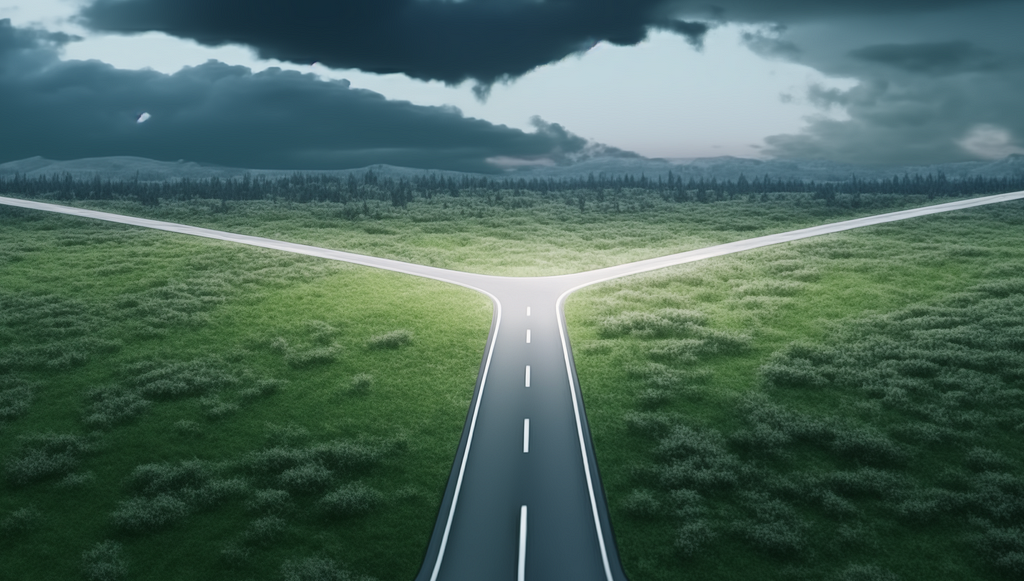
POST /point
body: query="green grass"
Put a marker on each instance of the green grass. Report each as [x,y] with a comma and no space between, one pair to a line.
[178,408]
[528,235]
[846,407]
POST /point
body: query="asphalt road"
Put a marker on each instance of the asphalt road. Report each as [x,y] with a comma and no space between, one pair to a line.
[517,505]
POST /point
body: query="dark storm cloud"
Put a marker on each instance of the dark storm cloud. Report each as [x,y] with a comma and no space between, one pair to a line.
[936,83]
[485,40]
[932,58]
[228,115]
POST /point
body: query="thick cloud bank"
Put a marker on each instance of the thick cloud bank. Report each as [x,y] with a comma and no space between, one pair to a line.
[450,41]
[937,80]
[227,115]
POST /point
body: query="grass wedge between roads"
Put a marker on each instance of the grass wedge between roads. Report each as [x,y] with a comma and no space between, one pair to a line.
[849,407]
[179,408]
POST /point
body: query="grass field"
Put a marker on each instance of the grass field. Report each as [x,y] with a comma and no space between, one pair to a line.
[178,408]
[528,235]
[848,407]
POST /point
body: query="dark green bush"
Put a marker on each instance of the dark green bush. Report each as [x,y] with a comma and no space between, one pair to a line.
[45,455]
[112,405]
[105,561]
[352,499]
[146,514]
[391,340]
[305,478]
[269,501]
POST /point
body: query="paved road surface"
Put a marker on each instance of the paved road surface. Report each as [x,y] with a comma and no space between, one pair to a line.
[524,500]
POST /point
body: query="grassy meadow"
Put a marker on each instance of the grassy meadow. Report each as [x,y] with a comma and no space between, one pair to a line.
[518,235]
[848,407]
[179,408]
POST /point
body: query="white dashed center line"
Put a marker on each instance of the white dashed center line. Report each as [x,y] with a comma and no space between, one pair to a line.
[527,311]
[527,335]
[522,544]
[527,376]
[526,436]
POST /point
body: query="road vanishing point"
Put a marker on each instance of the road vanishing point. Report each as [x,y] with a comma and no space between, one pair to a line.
[524,499]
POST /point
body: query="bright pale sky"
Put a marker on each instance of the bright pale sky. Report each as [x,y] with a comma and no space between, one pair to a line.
[661,98]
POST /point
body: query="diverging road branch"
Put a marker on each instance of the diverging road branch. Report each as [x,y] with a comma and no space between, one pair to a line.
[524,499]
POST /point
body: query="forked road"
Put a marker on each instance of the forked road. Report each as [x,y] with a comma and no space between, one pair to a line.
[524,500]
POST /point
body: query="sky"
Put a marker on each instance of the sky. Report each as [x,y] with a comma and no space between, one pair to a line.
[487,85]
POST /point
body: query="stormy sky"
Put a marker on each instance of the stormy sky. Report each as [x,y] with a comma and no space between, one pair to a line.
[480,85]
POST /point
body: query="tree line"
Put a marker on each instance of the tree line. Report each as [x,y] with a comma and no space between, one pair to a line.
[312,187]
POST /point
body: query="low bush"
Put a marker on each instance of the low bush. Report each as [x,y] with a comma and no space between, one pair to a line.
[312,356]
[158,380]
[270,501]
[642,503]
[45,455]
[20,521]
[16,396]
[105,561]
[305,478]
[113,405]
[146,514]
[361,382]
[315,569]
[264,531]
[353,499]
[692,536]
[857,572]
[392,340]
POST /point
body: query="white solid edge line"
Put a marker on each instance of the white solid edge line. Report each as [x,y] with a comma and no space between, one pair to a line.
[521,572]
[526,436]
[806,233]
[583,445]
[527,376]
[527,335]
[469,439]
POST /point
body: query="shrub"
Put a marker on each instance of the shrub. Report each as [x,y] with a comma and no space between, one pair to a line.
[314,569]
[349,456]
[312,356]
[857,572]
[321,332]
[187,428]
[361,382]
[176,380]
[214,408]
[349,500]
[652,398]
[216,492]
[147,514]
[392,340]
[45,455]
[269,501]
[20,521]
[778,537]
[158,478]
[105,561]
[261,388]
[659,324]
[15,397]
[263,531]
[112,405]
[650,424]
[641,503]
[305,478]
[692,536]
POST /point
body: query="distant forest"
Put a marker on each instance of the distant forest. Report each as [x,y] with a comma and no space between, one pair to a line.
[308,187]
